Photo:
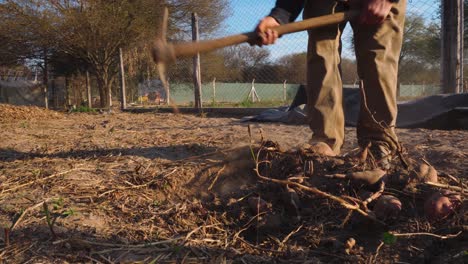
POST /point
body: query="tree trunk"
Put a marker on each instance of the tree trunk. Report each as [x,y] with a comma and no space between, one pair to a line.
[67,92]
[104,82]
[76,92]
[123,99]
[102,91]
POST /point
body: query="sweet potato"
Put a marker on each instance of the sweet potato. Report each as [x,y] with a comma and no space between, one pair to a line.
[367,177]
[387,206]
[438,207]
[427,173]
[454,198]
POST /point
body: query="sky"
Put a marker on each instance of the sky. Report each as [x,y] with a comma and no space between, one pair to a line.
[245,14]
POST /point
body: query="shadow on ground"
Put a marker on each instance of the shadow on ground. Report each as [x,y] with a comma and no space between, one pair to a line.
[173,153]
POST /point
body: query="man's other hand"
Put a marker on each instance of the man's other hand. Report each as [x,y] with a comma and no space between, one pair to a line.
[375,11]
[265,32]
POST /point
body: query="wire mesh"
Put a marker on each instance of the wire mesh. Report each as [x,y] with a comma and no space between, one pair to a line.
[465,46]
[269,76]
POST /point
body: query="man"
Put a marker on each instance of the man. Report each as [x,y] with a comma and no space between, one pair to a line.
[378,34]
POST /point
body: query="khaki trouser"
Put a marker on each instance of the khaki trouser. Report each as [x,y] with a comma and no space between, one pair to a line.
[377,49]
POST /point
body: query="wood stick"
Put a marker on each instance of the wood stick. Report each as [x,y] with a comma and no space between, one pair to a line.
[427,234]
[216,178]
[38,180]
[123,246]
[445,186]
[15,224]
[316,191]
[168,53]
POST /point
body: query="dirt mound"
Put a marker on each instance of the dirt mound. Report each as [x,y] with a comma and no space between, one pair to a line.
[12,112]
[302,201]
[356,183]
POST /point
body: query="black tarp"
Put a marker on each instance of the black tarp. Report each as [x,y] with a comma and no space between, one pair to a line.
[444,111]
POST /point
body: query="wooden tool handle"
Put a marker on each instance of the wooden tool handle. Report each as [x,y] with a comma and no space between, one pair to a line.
[189,49]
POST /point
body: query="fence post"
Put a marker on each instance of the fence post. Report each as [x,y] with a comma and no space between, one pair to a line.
[214,89]
[168,95]
[284,91]
[110,97]
[196,65]
[46,80]
[123,99]
[253,93]
[452,46]
[46,95]
[88,90]
[252,89]
[76,98]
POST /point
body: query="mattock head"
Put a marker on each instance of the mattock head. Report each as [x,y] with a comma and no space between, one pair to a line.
[163,52]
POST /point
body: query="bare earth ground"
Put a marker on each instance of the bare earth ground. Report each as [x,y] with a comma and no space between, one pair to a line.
[157,188]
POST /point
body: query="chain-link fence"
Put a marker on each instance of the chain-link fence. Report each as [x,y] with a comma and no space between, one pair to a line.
[465,46]
[247,75]
[269,76]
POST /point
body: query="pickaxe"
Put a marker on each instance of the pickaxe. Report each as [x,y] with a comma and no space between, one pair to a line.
[164,53]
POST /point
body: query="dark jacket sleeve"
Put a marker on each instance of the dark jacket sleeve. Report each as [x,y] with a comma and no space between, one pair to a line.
[286,11]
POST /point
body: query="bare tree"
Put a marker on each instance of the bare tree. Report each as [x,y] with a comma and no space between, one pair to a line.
[243,60]
[420,54]
[94,30]
[211,15]
[294,67]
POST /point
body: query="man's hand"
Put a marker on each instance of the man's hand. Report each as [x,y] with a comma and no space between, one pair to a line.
[375,11]
[265,32]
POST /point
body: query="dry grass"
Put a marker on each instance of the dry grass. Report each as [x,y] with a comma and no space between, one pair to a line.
[166,188]
[9,113]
